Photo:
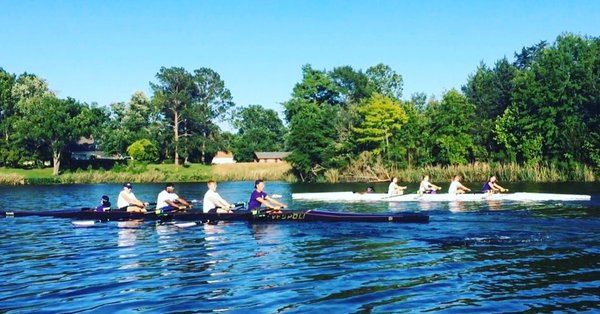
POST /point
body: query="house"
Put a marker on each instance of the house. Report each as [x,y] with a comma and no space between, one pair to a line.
[222,157]
[270,156]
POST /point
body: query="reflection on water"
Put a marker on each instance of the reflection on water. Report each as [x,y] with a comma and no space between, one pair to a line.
[472,256]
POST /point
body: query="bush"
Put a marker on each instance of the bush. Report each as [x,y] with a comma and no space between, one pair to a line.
[143,150]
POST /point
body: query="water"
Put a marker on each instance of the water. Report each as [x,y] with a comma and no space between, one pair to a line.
[477,257]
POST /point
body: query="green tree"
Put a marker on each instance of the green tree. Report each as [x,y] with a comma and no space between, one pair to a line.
[314,115]
[386,81]
[353,86]
[53,123]
[311,139]
[194,103]
[451,124]
[259,129]
[129,122]
[174,93]
[380,118]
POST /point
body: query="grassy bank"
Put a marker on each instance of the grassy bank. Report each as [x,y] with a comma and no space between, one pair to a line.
[151,173]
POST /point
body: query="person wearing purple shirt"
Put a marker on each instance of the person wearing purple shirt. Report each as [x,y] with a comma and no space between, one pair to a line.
[259,198]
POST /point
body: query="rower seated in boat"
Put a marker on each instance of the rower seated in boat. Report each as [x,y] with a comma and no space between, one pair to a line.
[167,200]
[491,186]
[260,198]
[127,200]
[394,188]
[104,204]
[213,202]
[427,187]
[456,187]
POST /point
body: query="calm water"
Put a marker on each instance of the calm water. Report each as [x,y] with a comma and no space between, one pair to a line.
[477,257]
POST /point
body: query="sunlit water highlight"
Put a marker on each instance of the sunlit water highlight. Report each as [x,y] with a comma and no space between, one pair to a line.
[479,257]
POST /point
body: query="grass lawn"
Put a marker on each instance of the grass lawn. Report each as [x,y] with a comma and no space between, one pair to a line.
[152,173]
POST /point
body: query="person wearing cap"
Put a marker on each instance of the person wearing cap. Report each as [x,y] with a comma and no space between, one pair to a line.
[168,201]
[213,202]
[104,204]
[260,198]
[128,201]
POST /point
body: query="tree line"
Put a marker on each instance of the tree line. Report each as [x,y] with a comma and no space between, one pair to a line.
[539,108]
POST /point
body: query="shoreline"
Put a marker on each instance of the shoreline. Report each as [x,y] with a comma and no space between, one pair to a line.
[155,173]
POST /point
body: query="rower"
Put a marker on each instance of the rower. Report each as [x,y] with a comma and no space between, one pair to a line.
[127,200]
[104,204]
[259,198]
[394,188]
[491,186]
[427,187]
[167,200]
[456,187]
[213,202]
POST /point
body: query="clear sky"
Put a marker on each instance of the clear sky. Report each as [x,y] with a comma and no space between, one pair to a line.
[104,51]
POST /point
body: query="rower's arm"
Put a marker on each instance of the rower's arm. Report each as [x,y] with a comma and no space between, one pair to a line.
[132,200]
[184,202]
[276,202]
[220,202]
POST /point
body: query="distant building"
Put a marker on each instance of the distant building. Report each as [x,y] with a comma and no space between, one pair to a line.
[270,156]
[223,158]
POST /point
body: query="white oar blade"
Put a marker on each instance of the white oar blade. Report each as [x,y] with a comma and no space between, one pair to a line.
[83,223]
[185,224]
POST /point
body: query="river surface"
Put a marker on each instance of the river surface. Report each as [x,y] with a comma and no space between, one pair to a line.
[471,257]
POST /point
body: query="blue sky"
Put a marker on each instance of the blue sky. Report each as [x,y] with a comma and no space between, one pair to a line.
[104,51]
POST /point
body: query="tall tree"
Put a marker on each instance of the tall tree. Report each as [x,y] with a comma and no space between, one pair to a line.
[174,93]
[380,118]
[451,123]
[313,114]
[211,104]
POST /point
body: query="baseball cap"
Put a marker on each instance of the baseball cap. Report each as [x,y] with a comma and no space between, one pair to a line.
[128,185]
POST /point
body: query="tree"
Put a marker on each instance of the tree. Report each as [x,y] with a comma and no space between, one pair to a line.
[129,122]
[380,118]
[193,104]
[174,93]
[211,104]
[451,123]
[386,81]
[353,86]
[311,139]
[53,123]
[313,114]
[259,129]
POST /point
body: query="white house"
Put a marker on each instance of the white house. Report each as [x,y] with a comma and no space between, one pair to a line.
[223,158]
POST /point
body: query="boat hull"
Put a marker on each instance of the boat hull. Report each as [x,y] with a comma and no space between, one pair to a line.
[288,215]
[442,197]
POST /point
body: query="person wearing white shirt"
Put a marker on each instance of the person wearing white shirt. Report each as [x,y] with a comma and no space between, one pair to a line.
[456,187]
[128,201]
[427,187]
[213,202]
[394,188]
[167,199]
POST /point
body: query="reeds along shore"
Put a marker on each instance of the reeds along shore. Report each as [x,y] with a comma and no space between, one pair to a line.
[476,172]
[281,172]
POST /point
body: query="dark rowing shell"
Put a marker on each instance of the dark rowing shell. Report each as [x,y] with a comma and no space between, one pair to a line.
[242,215]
